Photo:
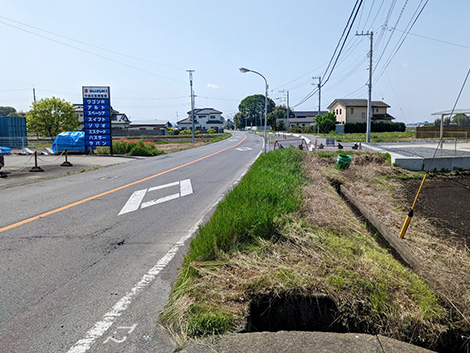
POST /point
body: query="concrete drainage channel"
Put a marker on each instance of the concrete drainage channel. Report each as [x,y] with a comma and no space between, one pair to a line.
[318,312]
[287,312]
[451,341]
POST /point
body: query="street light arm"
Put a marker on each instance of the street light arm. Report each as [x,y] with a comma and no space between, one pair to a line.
[245,70]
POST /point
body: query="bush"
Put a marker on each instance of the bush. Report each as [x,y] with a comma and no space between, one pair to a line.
[211,131]
[135,148]
[186,132]
[375,127]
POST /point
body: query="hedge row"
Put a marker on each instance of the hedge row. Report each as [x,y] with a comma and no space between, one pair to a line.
[375,127]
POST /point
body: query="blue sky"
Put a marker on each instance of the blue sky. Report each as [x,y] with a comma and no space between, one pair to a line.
[142,49]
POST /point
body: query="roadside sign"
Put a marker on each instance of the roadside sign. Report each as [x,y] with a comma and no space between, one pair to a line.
[97,116]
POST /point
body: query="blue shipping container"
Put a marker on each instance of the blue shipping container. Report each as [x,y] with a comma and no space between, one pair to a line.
[13,132]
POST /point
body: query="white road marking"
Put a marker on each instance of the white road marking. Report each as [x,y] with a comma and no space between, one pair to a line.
[163,186]
[98,330]
[244,149]
[185,187]
[160,200]
[118,309]
[135,201]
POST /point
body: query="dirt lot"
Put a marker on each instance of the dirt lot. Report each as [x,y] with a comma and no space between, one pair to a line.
[445,200]
[439,232]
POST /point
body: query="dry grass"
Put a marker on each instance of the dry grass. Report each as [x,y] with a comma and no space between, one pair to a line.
[175,147]
[324,249]
[445,256]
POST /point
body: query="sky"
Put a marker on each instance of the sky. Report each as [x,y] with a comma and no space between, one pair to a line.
[142,50]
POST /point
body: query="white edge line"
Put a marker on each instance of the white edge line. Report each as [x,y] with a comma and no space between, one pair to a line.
[98,330]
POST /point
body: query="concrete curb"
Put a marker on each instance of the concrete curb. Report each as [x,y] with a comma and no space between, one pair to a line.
[395,244]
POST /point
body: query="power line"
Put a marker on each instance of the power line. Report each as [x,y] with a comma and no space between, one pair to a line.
[337,52]
[408,28]
[91,45]
[430,38]
[89,52]
[350,23]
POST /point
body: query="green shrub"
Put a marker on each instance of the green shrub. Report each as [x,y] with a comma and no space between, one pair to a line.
[135,148]
[375,127]
[211,131]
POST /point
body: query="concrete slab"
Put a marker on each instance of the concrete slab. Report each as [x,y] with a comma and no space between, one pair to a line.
[426,155]
[17,167]
[301,342]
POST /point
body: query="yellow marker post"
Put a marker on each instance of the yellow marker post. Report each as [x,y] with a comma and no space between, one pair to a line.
[410,214]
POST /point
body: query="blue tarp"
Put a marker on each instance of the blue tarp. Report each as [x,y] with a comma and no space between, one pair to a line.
[70,140]
[5,150]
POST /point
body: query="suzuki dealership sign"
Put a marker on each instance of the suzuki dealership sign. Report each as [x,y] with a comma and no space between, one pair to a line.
[97,116]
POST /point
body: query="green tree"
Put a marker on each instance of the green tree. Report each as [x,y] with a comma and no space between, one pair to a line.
[461,119]
[325,122]
[252,108]
[51,116]
[5,111]
[277,118]
[437,122]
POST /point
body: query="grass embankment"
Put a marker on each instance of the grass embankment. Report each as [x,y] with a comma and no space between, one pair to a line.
[374,136]
[284,231]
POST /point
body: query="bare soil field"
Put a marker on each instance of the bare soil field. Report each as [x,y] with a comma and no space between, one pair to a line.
[439,231]
[445,200]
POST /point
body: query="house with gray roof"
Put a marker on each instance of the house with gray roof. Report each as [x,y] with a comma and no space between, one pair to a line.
[204,119]
[304,118]
[355,111]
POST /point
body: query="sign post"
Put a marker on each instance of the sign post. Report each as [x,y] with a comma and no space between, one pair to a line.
[97,116]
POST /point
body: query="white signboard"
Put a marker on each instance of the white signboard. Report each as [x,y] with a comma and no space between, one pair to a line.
[95,92]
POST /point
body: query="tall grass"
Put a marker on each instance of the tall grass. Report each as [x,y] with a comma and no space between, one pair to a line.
[271,188]
[248,213]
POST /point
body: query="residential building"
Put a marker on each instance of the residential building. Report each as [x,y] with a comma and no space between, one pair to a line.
[303,118]
[204,119]
[151,127]
[118,120]
[355,111]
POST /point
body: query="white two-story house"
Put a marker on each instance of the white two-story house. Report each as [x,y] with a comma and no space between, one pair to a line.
[204,119]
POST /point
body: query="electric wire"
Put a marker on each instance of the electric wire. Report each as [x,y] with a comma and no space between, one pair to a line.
[337,52]
[451,113]
[408,218]
[91,53]
[434,39]
[403,37]
[91,45]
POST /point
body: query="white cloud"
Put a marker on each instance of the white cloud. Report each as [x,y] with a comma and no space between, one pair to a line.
[212,86]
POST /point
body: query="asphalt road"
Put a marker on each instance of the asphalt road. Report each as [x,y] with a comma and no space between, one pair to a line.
[87,261]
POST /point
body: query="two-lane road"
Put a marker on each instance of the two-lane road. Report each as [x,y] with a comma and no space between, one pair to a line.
[87,261]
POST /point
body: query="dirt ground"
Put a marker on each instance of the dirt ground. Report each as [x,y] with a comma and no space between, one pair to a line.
[444,200]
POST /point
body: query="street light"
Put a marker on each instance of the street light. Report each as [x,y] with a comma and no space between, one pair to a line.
[244,71]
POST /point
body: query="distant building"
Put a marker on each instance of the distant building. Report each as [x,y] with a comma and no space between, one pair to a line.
[204,119]
[355,111]
[159,127]
[118,120]
[303,118]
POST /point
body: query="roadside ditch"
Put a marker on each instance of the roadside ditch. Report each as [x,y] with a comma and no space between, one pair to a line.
[306,266]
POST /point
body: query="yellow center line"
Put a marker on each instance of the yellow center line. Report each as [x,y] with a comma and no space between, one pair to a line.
[73,204]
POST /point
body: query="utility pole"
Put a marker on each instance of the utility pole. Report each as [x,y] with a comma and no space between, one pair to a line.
[287,106]
[34,94]
[319,99]
[369,104]
[319,93]
[192,97]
